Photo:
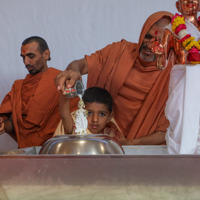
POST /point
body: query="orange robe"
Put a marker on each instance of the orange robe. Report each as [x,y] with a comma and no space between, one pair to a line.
[33,103]
[138,89]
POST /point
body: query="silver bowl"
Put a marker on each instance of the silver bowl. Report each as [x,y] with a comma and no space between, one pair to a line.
[82,145]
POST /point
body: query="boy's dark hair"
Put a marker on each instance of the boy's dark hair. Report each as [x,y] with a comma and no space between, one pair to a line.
[98,95]
[42,44]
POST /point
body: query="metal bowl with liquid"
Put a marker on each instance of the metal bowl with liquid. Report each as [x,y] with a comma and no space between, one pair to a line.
[82,145]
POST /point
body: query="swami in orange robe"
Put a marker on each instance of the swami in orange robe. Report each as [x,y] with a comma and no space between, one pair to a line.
[33,103]
[138,88]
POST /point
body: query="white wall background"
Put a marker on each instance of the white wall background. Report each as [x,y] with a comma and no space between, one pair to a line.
[72,28]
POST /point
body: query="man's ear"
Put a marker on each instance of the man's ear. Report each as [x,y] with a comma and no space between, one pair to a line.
[46,54]
[178,6]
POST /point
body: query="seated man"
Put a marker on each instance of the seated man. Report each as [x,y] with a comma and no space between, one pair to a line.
[30,112]
[98,104]
[128,71]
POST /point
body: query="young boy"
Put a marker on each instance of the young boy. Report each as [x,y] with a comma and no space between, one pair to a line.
[98,103]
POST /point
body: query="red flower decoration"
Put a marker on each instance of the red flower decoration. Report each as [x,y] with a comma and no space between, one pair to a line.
[193,54]
[198,20]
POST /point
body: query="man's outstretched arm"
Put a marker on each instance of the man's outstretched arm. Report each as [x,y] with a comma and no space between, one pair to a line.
[73,72]
[157,138]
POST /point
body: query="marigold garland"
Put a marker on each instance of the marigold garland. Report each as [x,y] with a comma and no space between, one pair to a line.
[188,42]
[181,27]
[192,44]
[185,37]
[177,21]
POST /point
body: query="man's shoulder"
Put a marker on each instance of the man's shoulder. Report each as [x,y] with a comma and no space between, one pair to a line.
[123,41]
[124,44]
[17,84]
[52,71]
[18,81]
[120,45]
[127,43]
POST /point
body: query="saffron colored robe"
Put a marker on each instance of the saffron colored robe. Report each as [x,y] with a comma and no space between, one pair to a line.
[138,88]
[33,103]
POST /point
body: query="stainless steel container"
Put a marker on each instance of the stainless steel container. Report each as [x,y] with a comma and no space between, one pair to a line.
[82,145]
[77,90]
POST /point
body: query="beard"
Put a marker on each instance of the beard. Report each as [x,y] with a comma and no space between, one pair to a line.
[146,54]
[31,69]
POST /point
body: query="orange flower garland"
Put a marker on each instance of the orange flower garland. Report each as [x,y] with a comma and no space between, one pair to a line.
[189,43]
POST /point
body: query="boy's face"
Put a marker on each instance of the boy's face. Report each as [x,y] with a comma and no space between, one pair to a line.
[188,7]
[98,117]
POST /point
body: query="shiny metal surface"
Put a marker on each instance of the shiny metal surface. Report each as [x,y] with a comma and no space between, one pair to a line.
[77,90]
[82,145]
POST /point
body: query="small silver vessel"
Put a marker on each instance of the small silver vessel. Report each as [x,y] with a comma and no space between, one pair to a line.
[82,145]
[77,90]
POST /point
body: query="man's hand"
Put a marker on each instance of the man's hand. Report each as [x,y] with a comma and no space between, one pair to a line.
[66,79]
[2,126]
[156,46]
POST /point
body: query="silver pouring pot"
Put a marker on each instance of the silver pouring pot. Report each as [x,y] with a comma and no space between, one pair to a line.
[77,90]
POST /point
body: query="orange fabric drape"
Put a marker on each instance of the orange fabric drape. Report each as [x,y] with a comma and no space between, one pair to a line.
[139,90]
[33,103]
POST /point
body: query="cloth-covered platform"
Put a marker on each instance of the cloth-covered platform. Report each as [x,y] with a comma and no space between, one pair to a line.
[147,175]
